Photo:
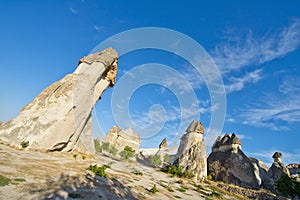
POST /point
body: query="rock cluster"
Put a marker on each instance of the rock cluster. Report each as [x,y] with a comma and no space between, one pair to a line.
[229,164]
[121,138]
[191,154]
[59,118]
[294,169]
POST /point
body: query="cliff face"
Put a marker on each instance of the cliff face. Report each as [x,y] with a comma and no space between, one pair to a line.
[191,154]
[229,164]
[59,118]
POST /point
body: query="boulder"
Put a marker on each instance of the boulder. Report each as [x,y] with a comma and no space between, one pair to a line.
[228,163]
[121,138]
[191,154]
[294,169]
[59,118]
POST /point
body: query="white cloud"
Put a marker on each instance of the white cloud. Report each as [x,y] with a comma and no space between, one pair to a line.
[277,111]
[236,54]
[237,84]
[266,156]
[73,11]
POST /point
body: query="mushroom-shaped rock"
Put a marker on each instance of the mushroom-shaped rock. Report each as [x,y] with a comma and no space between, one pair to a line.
[163,143]
[59,118]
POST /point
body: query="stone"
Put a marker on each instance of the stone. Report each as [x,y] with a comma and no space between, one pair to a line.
[59,118]
[121,138]
[191,154]
[228,163]
[163,144]
[294,169]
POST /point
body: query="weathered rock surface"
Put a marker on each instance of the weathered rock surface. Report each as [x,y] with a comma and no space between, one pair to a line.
[121,138]
[294,169]
[277,169]
[191,154]
[229,164]
[59,118]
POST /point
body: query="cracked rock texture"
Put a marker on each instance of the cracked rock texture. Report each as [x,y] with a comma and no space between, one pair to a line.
[59,118]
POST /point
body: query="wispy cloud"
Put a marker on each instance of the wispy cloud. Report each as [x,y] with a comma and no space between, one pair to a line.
[239,52]
[278,111]
[237,84]
[73,10]
[266,156]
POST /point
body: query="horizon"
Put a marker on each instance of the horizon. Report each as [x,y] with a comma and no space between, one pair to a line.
[255,50]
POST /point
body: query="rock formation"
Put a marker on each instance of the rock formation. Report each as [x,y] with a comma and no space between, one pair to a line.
[229,164]
[294,169]
[163,144]
[277,169]
[121,138]
[191,154]
[59,118]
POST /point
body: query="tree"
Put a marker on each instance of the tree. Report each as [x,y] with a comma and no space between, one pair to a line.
[288,186]
[127,153]
[155,160]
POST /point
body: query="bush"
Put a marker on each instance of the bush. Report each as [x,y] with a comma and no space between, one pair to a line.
[24,144]
[105,147]
[4,181]
[288,186]
[154,189]
[177,171]
[97,146]
[75,156]
[166,158]
[155,160]
[99,171]
[137,172]
[113,150]
[127,153]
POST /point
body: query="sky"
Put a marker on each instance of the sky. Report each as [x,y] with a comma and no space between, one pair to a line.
[253,49]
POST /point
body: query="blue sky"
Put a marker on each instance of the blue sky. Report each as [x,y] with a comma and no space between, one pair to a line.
[255,46]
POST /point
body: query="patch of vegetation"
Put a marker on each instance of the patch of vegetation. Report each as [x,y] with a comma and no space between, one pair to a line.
[75,156]
[74,195]
[97,146]
[154,189]
[113,150]
[20,180]
[177,197]
[288,186]
[83,157]
[24,144]
[99,171]
[155,160]
[166,158]
[105,147]
[209,177]
[4,181]
[181,189]
[177,171]
[137,172]
[127,153]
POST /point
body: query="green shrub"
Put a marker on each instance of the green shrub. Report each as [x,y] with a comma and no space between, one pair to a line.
[99,171]
[288,186]
[177,171]
[154,189]
[137,172]
[105,147]
[97,146]
[4,181]
[75,156]
[83,157]
[113,150]
[166,158]
[24,144]
[155,160]
[181,189]
[127,153]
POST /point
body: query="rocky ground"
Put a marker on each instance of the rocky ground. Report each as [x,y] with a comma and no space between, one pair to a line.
[36,175]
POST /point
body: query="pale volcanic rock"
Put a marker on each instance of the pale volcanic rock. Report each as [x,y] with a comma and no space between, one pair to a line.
[191,154]
[59,118]
[121,138]
[277,169]
[163,144]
